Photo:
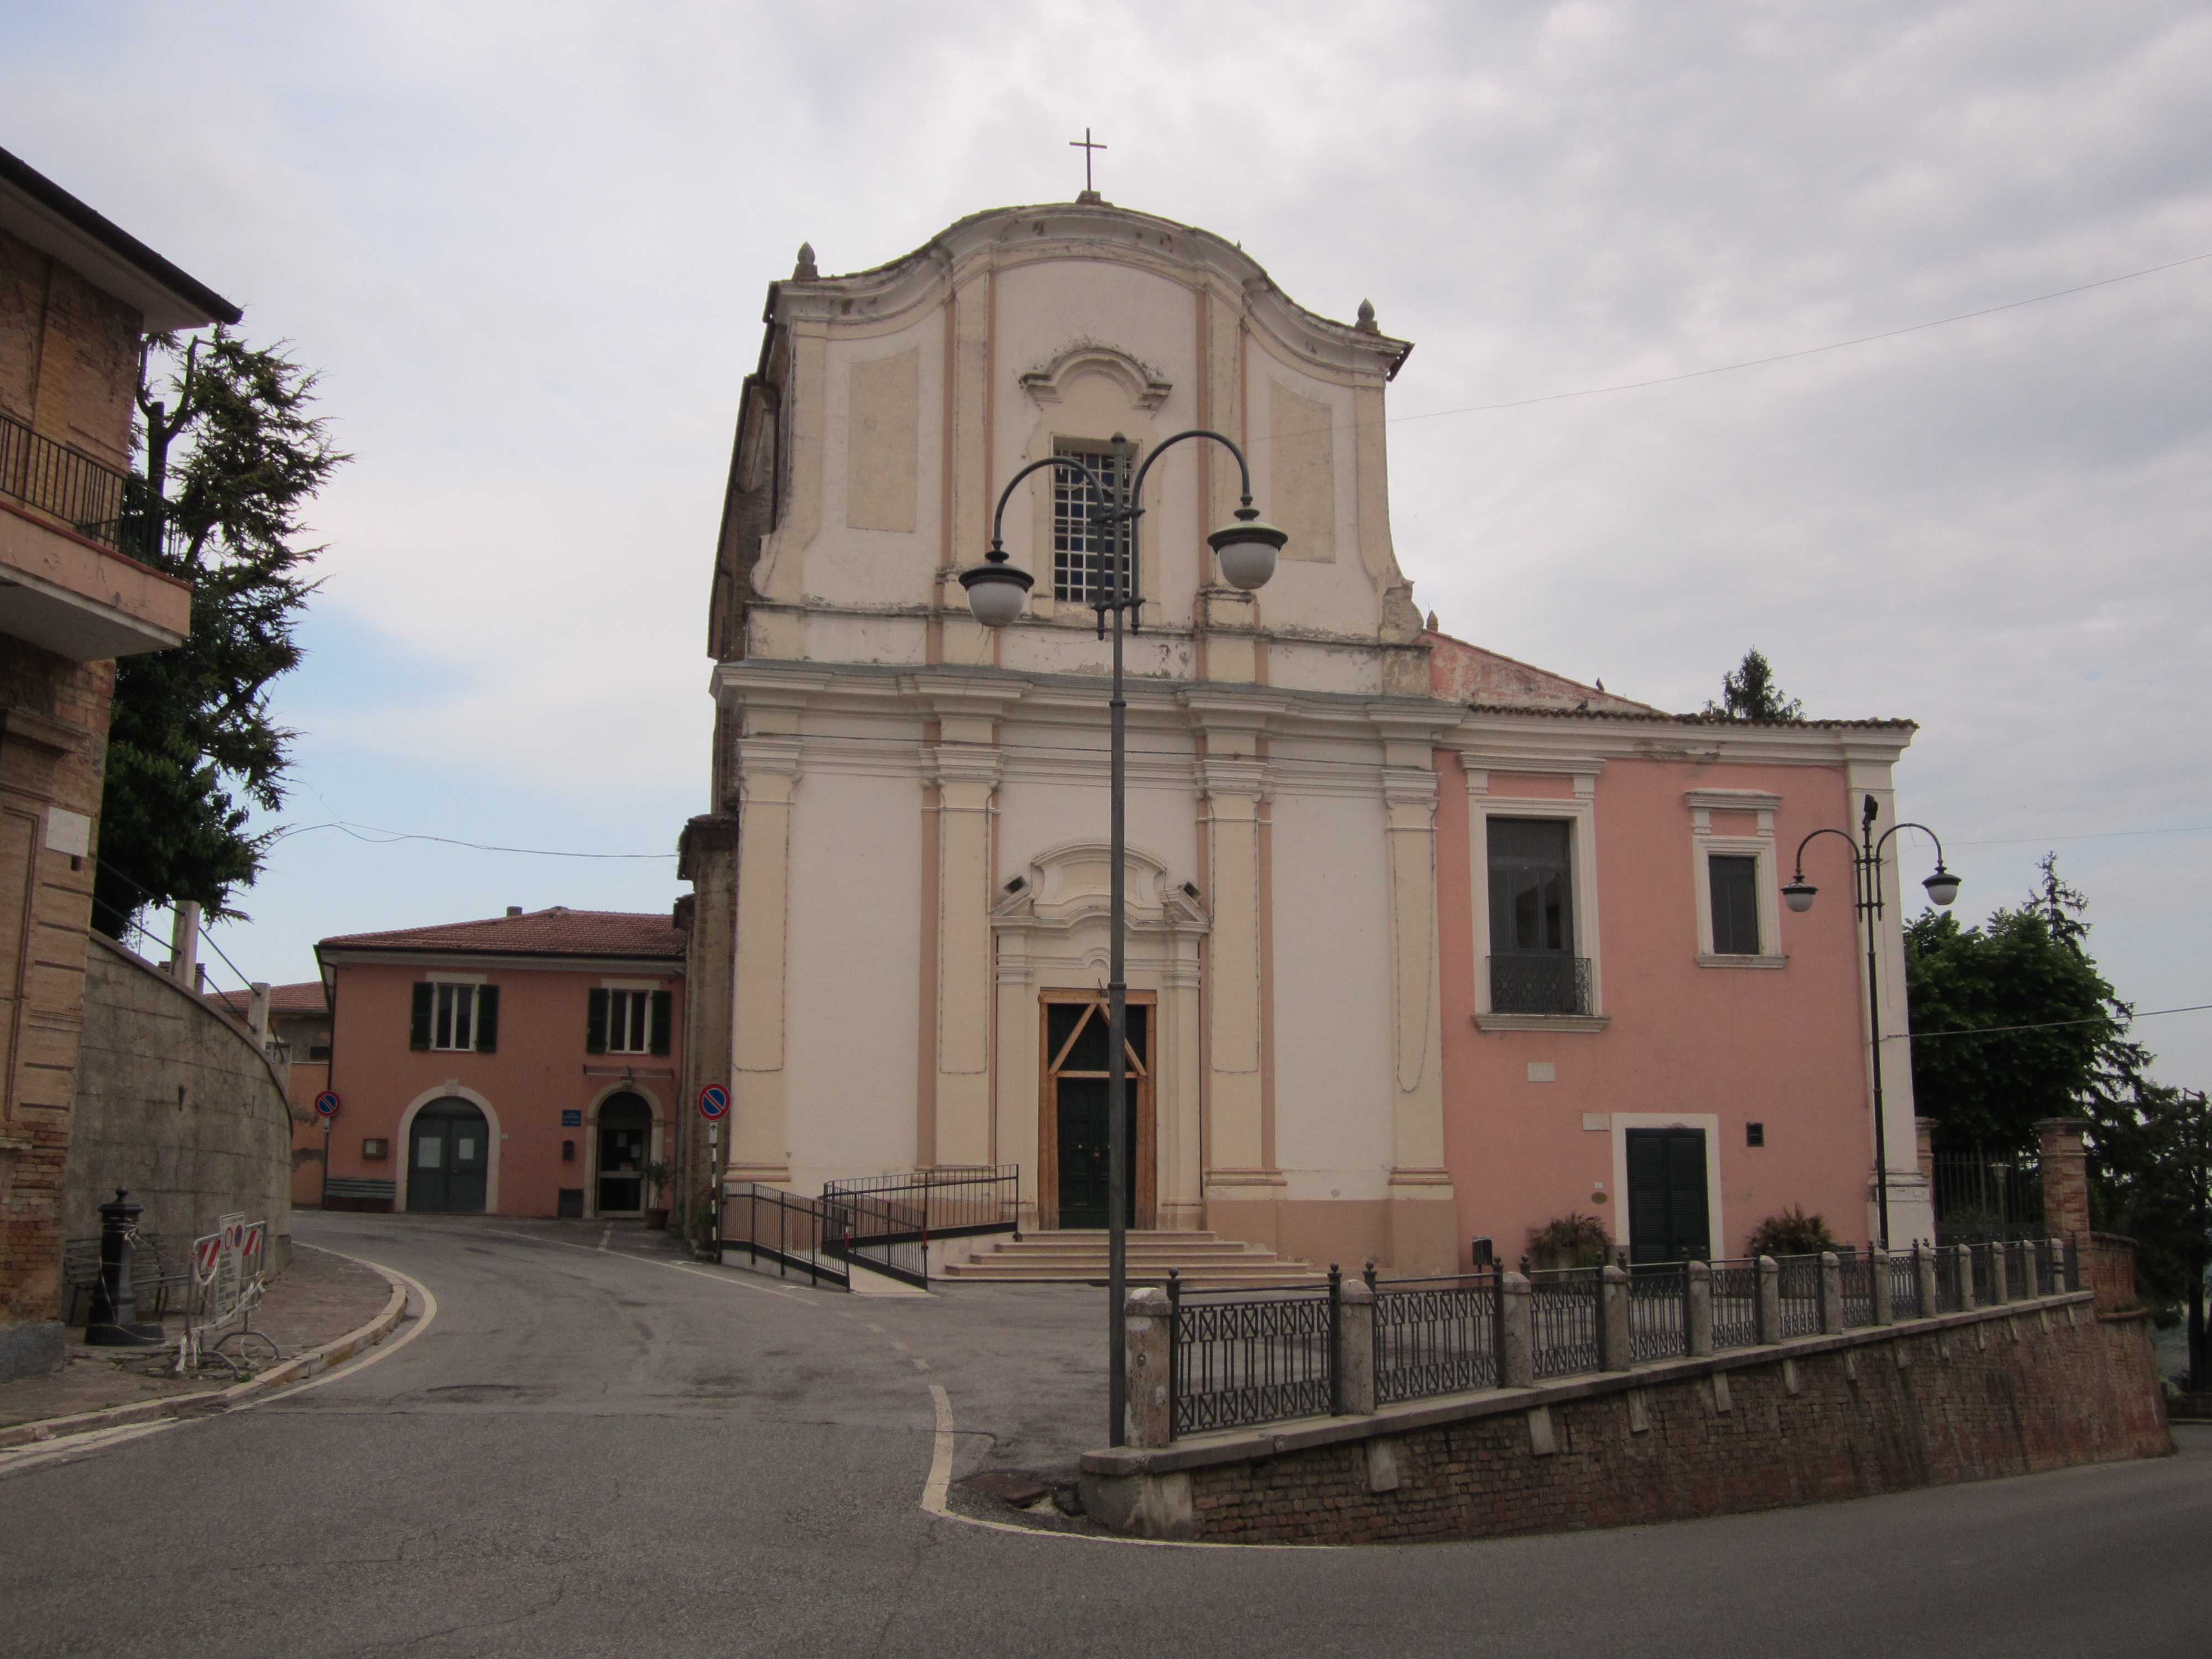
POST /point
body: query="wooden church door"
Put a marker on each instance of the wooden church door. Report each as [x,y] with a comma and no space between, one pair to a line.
[1073,1135]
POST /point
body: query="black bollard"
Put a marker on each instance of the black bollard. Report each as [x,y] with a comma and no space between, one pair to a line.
[114,1323]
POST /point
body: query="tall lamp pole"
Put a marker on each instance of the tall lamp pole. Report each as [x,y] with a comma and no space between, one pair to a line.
[997,591]
[1866,869]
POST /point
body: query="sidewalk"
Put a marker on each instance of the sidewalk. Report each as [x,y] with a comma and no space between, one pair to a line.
[320,1298]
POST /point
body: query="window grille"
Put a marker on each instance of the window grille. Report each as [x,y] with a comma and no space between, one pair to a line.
[1087,556]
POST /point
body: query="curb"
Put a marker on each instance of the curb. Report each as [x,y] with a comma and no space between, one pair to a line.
[298,1369]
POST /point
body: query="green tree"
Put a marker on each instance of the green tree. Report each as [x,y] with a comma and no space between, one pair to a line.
[1748,693]
[2153,1175]
[234,455]
[2025,966]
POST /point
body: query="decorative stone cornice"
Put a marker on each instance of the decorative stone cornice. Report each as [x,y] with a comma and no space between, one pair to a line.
[1146,386]
[1237,778]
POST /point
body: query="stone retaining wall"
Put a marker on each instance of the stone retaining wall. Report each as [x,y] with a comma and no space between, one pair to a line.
[1999,1391]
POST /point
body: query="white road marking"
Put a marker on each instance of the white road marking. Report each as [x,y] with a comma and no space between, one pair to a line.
[605,1235]
[934,1494]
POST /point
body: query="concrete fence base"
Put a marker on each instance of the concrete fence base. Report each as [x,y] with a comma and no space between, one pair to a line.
[1971,1396]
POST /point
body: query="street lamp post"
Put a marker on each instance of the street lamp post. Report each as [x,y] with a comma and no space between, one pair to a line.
[997,591]
[1866,869]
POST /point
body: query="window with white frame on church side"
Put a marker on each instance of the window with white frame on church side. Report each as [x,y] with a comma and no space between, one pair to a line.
[1085,554]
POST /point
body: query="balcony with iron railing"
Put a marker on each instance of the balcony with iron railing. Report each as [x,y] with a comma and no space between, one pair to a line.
[1540,985]
[74,537]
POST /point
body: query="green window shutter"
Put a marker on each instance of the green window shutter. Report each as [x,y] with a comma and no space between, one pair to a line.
[418,1034]
[661,1010]
[595,1024]
[487,1019]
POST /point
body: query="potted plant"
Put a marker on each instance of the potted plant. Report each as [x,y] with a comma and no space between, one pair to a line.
[1570,1241]
[656,1181]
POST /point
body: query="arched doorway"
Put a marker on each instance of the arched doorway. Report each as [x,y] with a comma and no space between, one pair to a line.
[449,1148]
[623,1143]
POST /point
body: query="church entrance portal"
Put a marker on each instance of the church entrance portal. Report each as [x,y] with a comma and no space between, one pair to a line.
[1073,1135]
[624,1135]
[448,1151]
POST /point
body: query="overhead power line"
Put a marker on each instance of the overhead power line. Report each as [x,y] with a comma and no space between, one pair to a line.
[2045,1026]
[381,837]
[1808,351]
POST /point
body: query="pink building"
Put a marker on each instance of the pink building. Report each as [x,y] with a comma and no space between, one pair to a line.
[1635,1028]
[517,1065]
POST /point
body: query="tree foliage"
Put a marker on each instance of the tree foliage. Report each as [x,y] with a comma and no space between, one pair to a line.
[1748,693]
[2027,965]
[192,746]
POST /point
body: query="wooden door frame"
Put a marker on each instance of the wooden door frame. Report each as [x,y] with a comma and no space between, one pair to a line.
[1147,1174]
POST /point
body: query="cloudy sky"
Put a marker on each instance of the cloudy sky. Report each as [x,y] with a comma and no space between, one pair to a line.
[528,246]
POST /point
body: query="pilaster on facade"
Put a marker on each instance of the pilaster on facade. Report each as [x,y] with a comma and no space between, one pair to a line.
[965,776]
[768,783]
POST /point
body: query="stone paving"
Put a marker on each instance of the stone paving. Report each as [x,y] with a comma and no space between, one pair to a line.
[319,1298]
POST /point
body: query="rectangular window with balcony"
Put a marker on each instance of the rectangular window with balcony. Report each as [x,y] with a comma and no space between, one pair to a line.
[1533,969]
[1085,554]
[1734,879]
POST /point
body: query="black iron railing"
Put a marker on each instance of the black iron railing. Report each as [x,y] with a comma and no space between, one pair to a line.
[1800,1286]
[945,1202]
[1904,1286]
[1436,1337]
[1540,985]
[92,498]
[1565,1307]
[1735,1305]
[1238,1358]
[1982,1196]
[791,1231]
[1658,1311]
[1856,1271]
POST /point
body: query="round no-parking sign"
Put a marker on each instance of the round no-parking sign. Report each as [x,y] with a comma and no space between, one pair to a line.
[713,1102]
[327,1103]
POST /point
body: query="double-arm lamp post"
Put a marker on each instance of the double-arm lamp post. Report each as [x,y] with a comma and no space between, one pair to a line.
[1866,868]
[997,591]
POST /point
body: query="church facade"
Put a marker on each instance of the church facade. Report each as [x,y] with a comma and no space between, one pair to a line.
[1425,945]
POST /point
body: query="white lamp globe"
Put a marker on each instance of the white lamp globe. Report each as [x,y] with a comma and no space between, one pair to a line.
[1942,887]
[1247,550]
[997,590]
[1798,895]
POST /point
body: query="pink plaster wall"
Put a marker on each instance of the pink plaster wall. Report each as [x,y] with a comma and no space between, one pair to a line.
[537,1072]
[1783,1047]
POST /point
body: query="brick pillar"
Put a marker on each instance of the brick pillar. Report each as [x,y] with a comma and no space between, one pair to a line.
[1355,1348]
[2065,1178]
[1516,1360]
[1148,1422]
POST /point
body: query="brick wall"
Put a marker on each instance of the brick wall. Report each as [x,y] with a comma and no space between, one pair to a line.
[1969,1398]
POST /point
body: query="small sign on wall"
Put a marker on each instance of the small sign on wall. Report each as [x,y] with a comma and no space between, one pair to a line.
[572,1120]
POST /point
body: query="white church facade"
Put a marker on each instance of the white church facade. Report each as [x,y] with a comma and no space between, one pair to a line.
[897,935]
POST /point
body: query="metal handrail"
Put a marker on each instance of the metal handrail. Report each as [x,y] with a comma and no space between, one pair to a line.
[91,497]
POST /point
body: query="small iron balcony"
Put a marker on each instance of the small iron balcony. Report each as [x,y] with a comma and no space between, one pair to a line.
[1540,985]
[94,500]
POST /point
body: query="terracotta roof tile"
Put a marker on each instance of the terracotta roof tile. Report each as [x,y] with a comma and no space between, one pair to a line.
[306,998]
[559,931]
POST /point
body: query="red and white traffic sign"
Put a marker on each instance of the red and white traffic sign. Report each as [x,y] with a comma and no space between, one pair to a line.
[327,1103]
[713,1102]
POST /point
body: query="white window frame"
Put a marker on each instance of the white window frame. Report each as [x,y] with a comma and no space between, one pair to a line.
[439,987]
[639,1002]
[1766,883]
[1579,811]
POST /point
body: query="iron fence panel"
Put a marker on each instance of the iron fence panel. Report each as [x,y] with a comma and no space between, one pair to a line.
[1564,1310]
[1904,1288]
[1658,1311]
[1857,1274]
[1735,1305]
[1239,1360]
[1442,1339]
[1801,1295]
[1540,985]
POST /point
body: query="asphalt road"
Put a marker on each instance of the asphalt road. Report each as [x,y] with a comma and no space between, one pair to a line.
[599,1451]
